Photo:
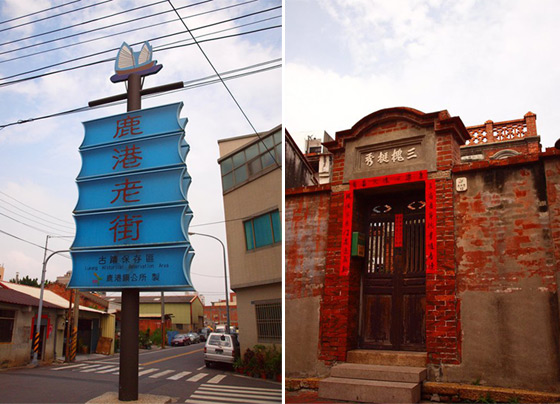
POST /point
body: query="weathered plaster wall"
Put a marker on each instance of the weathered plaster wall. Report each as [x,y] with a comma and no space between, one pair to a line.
[506,280]
[306,239]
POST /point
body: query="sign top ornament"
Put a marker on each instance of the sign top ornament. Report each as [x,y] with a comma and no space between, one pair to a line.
[129,62]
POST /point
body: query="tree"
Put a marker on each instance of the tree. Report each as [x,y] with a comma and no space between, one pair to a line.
[28,281]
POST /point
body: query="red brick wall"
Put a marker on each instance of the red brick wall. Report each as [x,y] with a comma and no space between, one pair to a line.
[334,309]
[306,240]
[503,231]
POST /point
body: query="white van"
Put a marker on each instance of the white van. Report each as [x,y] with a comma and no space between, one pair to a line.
[222,348]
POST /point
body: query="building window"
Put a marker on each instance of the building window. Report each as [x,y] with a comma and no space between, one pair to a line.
[7,318]
[263,230]
[269,320]
[249,162]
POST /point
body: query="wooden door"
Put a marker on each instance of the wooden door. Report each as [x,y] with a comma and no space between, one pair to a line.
[394,276]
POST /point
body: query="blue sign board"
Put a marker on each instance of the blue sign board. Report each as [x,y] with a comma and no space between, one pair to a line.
[132,215]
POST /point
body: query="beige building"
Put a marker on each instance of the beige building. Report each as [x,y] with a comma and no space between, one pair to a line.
[251,169]
[18,313]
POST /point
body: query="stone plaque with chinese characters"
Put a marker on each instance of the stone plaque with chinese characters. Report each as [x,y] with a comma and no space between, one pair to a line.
[132,215]
[407,150]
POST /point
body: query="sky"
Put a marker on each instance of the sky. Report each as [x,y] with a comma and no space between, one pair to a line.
[39,160]
[479,60]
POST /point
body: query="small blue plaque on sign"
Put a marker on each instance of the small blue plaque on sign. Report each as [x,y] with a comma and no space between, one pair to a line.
[162,268]
[132,215]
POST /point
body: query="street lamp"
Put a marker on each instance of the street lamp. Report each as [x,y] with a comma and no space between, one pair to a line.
[225,272]
[40,309]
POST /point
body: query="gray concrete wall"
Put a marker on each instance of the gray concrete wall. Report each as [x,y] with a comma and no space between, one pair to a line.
[302,338]
[509,339]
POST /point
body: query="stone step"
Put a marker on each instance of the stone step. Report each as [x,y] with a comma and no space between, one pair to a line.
[390,358]
[407,374]
[369,391]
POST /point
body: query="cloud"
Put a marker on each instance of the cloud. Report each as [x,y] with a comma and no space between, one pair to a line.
[479,60]
[40,160]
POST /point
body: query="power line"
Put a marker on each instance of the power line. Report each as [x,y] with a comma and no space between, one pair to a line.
[30,242]
[30,214]
[189,85]
[28,225]
[223,82]
[92,30]
[36,210]
[124,32]
[150,40]
[83,22]
[55,15]
[38,12]
[8,83]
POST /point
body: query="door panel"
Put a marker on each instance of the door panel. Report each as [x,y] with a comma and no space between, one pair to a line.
[394,282]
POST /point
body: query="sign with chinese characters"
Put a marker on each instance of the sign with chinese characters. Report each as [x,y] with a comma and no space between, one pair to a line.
[388,157]
[132,215]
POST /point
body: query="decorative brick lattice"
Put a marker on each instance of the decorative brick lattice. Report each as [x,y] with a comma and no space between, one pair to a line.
[478,135]
[510,130]
[492,132]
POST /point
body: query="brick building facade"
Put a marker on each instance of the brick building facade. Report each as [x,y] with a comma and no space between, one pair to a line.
[459,231]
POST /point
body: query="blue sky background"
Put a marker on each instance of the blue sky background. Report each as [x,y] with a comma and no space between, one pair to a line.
[479,60]
[39,161]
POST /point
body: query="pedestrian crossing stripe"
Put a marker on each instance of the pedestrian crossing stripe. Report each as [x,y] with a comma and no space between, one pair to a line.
[240,395]
[213,394]
[198,398]
[242,388]
[179,375]
[105,368]
[111,369]
[197,377]
[96,369]
[216,379]
[69,367]
[158,375]
[145,372]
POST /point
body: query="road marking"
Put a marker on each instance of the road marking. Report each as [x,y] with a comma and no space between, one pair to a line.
[229,394]
[90,367]
[96,369]
[217,379]
[200,368]
[197,377]
[241,388]
[178,375]
[69,367]
[111,369]
[171,357]
[145,372]
[205,399]
[165,372]
[190,401]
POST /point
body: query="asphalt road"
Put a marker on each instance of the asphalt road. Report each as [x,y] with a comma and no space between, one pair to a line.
[177,372]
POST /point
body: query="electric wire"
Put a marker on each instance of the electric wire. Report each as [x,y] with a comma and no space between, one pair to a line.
[136,43]
[30,242]
[126,32]
[222,81]
[38,12]
[36,210]
[92,30]
[188,85]
[30,214]
[55,15]
[84,22]
[28,225]
[8,83]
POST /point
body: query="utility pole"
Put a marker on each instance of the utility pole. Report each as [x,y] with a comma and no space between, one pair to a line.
[128,362]
[162,322]
[75,319]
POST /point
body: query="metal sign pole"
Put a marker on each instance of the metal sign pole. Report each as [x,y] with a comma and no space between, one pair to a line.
[128,362]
